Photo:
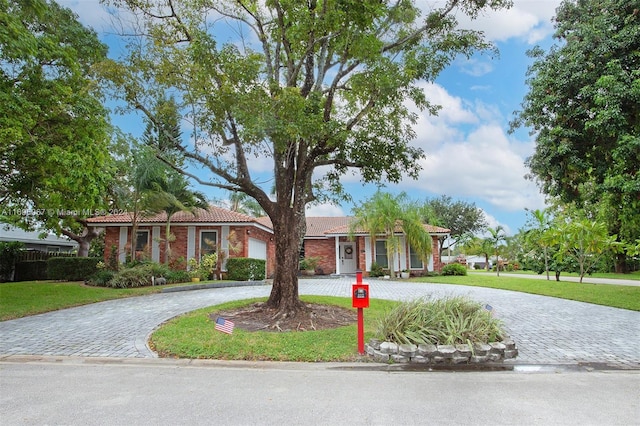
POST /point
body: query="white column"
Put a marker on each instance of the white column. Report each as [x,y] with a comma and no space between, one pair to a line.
[155,244]
[191,242]
[338,263]
[122,244]
[367,253]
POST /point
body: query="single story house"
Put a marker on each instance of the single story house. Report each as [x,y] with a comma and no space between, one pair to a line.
[49,243]
[239,235]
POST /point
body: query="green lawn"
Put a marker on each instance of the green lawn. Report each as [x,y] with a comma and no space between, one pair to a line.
[617,296]
[193,336]
[35,297]
[632,276]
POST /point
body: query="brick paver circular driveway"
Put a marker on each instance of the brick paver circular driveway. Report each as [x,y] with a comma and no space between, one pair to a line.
[546,330]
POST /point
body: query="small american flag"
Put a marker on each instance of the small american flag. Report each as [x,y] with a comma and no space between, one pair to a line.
[224,325]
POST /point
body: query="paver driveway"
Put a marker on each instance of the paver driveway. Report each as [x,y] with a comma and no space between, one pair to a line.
[546,330]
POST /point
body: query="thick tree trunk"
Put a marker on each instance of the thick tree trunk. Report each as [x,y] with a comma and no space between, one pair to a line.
[621,266]
[289,228]
[84,240]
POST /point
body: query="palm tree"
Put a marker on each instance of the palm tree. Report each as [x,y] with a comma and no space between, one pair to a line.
[172,195]
[497,236]
[385,215]
[242,203]
[539,234]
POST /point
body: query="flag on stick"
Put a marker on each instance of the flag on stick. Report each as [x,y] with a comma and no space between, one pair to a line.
[224,325]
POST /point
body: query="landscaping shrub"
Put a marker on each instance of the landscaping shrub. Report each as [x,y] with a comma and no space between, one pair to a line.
[376,270]
[449,321]
[454,269]
[8,255]
[101,278]
[137,276]
[72,268]
[177,277]
[245,269]
[31,270]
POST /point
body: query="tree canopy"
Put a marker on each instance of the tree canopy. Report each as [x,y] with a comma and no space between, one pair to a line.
[321,88]
[460,217]
[584,107]
[54,155]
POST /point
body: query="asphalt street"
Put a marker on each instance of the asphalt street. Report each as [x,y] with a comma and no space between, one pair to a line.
[578,363]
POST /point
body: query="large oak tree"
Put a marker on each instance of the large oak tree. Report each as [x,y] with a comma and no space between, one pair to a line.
[55,165]
[584,107]
[319,87]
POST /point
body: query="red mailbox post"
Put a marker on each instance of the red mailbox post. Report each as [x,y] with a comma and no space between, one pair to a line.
[360,300]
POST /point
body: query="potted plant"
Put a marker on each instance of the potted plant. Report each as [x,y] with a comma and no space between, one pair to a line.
[308,265]
[194,270]
[405,273]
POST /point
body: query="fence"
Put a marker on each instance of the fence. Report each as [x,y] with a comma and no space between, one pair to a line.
[25,256]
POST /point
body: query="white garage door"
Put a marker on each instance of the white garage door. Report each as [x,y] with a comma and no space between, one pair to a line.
[257,249]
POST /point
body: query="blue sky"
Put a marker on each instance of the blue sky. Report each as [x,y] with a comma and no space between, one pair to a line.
[470,155]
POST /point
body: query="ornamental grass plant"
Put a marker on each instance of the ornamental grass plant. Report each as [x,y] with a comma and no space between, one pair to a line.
[447,321]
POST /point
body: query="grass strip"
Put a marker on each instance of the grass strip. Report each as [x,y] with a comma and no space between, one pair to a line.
[617,296]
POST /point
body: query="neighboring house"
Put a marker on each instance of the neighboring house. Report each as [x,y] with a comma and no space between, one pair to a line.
[32,241]
[219,229]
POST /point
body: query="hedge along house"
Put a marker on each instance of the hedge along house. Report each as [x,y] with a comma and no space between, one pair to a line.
[328,239]
[212,230]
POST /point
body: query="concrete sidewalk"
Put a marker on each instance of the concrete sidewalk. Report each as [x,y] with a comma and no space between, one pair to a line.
[546,330]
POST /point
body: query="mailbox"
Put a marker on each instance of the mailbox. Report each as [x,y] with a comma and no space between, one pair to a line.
[360,295]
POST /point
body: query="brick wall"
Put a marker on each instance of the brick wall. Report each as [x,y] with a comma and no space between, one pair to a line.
[325,249]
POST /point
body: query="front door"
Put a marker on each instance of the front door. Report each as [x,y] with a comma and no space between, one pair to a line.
[348,259]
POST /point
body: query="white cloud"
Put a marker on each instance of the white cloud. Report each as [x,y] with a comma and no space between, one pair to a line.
[475,67]
[325,210]
[527,19]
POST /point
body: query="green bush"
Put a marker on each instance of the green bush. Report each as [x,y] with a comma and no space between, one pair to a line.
[449,321]
[454,269]
[101,278]
[245,269]
[72,268]
[174,277]
[31,270]
[376,270]
[8,255]
[138,276]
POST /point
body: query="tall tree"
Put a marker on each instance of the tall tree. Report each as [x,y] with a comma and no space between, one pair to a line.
[583,105]
[497,237]
[171,195]
[538,234]
[54,155]
[461,217]
[385,216]
[318,87]
[169,190]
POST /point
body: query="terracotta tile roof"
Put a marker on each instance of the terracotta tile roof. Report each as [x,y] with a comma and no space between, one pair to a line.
[344,230]
[211,215]
[318,226]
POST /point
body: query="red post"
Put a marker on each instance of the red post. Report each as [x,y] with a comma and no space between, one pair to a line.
[360,331]
[360,303]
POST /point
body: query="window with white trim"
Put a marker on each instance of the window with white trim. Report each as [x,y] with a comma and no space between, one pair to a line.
[381,253]
[208,242]
[142,240]
[415,262]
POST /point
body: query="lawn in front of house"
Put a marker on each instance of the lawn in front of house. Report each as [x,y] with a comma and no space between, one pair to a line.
[617,296]
[26,298]
[193,336]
